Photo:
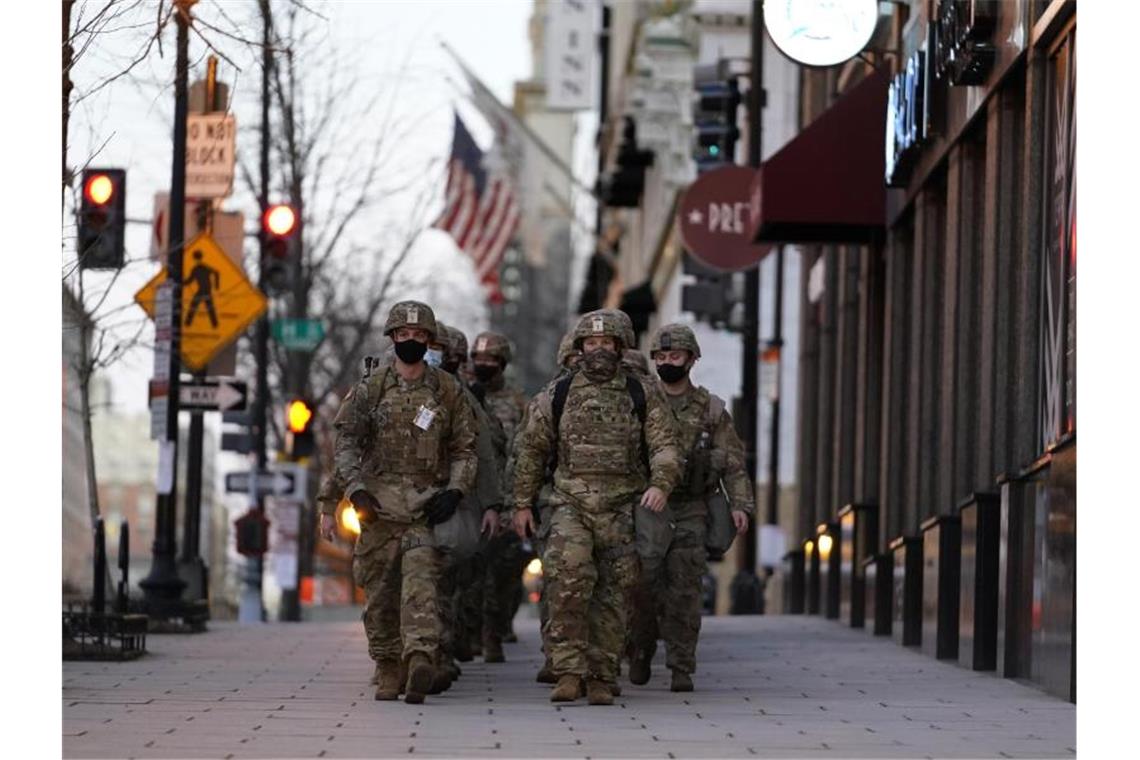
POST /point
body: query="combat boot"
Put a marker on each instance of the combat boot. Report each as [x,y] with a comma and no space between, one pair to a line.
[462,649]
[639,670]
[421,675]
[453,670]
[681,682]
[599,693]
[569,688]
[387,680]
[546,674]
[493,649]
[615,687]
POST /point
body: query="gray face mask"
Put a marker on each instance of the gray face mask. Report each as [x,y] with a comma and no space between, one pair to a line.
[433,357]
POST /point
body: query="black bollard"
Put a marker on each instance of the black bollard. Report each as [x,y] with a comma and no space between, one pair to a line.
[100,568]
[124,567]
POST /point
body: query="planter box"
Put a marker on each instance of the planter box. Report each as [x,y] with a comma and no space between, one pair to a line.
[906,590]
[858,532]
[877,570]
[794,582]
[941,557]
[980,518]
[829,572]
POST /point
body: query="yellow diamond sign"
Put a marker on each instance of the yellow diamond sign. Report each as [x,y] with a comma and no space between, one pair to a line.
[218,302]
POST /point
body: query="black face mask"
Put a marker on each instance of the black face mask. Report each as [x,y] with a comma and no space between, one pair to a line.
[486,372]
[410,351]
[671,373]
[450,367]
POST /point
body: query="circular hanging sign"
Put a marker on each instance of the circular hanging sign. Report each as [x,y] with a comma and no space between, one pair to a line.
[714,219]
[820,32]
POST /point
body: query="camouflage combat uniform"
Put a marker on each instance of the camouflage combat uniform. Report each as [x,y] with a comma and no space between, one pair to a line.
[402,442]
[488,494]
[669,592]
[504,559]
[590,559]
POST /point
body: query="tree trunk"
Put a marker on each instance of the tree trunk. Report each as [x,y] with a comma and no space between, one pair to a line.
[86,371]
[67,56]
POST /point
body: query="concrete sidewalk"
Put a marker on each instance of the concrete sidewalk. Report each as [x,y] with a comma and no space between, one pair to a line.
[789,686]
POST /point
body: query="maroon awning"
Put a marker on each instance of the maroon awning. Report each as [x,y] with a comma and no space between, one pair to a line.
[827,185]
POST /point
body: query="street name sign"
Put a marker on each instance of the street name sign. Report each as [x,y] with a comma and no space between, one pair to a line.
[212,395]
[218,301]
[298,334]
[210,144]
[284,480]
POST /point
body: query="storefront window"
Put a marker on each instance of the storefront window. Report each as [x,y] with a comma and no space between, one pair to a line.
[1059,270]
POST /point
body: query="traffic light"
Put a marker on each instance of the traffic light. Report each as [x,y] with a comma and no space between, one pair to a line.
[102,219]
[716,99]
[299,438]
[622,188]
[252,533]
[713,297]
[279,225]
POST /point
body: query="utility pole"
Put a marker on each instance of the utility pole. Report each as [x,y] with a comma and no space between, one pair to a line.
[745,599]
[163,587]
[250,609]
[194,570]
[776,344]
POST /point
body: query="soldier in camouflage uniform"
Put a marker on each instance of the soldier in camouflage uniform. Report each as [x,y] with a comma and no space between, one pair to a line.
[504,560]
[405,449]
[615,452]
[567,358]
[668,596]
[486,499]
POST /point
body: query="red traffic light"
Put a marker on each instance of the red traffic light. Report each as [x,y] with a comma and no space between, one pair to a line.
[298,415]
[99,189]
[280,220]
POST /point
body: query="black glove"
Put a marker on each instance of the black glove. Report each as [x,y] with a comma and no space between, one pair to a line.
[442,506]
[366,506]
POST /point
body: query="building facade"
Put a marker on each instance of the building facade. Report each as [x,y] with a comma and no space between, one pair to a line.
[937,409]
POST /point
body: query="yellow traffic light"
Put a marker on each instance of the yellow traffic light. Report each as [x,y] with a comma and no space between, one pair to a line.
[297,416]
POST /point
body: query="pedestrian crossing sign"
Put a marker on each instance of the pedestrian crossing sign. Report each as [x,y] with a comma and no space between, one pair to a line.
[218,302]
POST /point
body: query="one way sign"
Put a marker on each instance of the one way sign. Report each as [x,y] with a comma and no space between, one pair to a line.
[286,480]
[212,395]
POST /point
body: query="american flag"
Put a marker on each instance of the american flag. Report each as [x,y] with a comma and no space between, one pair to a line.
[481,212]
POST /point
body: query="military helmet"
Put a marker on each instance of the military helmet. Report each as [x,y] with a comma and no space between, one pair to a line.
[493,343]
[456,344]
[628,336]
[599,323]
[411,314]
[675,337]
[443,335]
[566,348]
[634,360]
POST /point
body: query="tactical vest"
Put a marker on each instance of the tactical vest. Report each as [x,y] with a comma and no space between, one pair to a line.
[603,428]
[399,445]
[701,473]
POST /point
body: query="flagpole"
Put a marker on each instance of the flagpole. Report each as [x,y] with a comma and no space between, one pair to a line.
[547,151]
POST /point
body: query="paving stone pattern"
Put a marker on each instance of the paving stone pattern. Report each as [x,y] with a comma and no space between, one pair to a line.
[771,687]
